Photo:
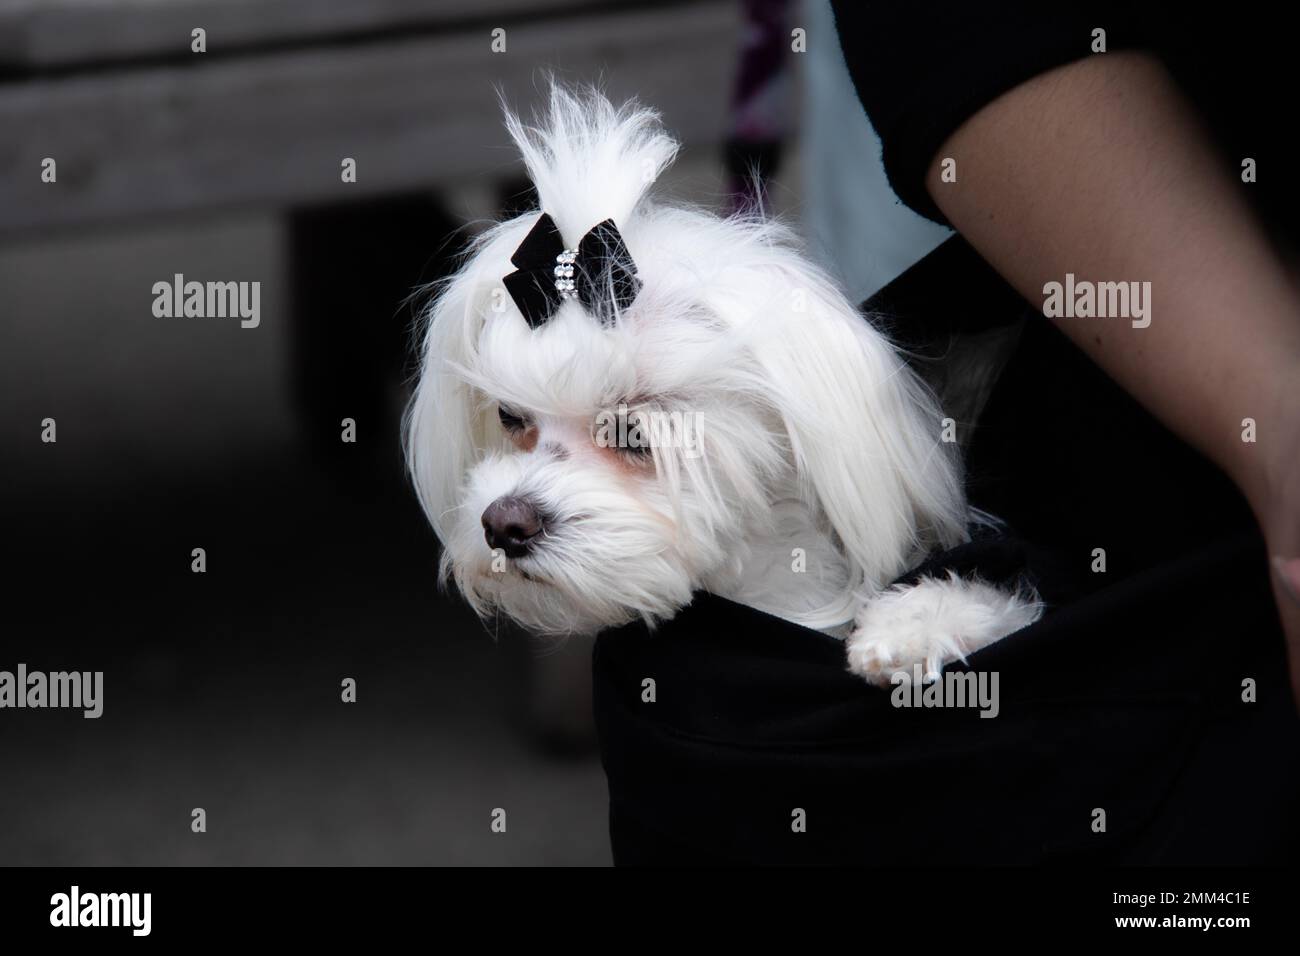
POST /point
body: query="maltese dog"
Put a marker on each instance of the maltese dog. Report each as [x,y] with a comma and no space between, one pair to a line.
[622,402]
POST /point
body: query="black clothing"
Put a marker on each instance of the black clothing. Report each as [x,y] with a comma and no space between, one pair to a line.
[1126,697]
[921,70]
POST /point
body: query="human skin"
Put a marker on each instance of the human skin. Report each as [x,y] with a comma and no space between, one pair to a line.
[1101,168]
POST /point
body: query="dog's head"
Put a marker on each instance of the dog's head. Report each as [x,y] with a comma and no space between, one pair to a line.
[590,459]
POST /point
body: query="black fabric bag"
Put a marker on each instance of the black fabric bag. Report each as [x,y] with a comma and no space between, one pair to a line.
[1126,698]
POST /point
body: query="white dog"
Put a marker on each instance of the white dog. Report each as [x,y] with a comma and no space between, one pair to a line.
[623,402]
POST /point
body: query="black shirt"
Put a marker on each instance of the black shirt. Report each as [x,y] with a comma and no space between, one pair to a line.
[922,69]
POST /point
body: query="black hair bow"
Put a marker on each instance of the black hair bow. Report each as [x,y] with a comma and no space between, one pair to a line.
[598,272]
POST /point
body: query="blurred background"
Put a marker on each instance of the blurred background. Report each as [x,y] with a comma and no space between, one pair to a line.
[222,689]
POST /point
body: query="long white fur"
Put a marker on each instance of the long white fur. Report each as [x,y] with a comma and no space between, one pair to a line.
[815,434]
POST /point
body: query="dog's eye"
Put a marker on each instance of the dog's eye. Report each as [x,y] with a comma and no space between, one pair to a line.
[510,421]
[633,452]
[634,433]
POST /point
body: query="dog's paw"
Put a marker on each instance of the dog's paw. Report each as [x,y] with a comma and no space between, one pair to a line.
[931,624]
[880,647]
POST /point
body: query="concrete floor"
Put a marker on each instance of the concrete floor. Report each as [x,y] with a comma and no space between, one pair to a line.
[222,691]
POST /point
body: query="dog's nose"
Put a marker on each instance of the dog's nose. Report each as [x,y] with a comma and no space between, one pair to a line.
[511,524]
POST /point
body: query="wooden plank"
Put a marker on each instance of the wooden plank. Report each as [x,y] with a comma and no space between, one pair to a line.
[273,130]
[47,34]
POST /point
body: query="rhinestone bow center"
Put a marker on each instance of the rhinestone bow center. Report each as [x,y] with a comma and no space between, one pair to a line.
[564,284]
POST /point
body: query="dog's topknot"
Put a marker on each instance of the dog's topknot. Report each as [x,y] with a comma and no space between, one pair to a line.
[589,160]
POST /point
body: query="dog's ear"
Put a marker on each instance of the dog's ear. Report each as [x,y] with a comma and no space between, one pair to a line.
[864,430]
[445,429]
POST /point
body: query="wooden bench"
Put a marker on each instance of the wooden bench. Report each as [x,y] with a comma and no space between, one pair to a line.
[140,125]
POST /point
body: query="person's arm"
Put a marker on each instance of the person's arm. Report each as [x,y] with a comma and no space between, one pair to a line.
[1100,169]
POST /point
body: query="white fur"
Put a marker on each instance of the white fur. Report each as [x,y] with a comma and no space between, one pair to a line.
[932,623]
[814,433]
